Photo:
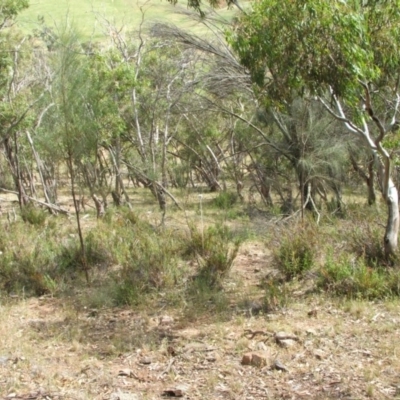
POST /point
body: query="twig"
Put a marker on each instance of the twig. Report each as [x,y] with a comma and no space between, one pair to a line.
[252,333]
[171,361]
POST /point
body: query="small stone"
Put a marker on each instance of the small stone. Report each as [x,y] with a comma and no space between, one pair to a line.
[246,359]
[145,361]
[212,357]
[279,366]
[259,359]
[261,346]
[286,339]
[125,372]
[283,336]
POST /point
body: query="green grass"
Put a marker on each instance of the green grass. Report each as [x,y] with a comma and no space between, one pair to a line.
[87,15]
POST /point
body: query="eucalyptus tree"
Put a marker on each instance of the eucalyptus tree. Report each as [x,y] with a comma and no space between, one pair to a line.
[149,80]
[345,54]
[286,146]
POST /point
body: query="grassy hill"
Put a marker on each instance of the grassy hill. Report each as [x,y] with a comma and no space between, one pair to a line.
[86,15]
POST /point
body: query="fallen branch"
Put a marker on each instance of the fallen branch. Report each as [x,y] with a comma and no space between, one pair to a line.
[42,203]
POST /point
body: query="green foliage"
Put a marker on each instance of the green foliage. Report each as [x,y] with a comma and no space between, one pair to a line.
[225,200]
[202,297]
[293,47]
[10,8]
[27,261]
[296,251]
[148,260]
[345,276]
[34,215]
[276,294]
[215,250]
[97,251]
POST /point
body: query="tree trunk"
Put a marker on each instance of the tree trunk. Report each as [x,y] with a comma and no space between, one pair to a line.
[85,266]
[371,191]
[392,227]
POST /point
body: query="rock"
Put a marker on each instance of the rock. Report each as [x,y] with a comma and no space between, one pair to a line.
[261,346]
[212,357]
[283,336]
[279,366]
[285,339]
[246,359]
[259,359]
[256,359]
[126,372]
[286,343]
[145,361]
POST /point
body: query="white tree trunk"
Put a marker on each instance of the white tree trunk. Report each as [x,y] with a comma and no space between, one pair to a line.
[392,226]
[381,158]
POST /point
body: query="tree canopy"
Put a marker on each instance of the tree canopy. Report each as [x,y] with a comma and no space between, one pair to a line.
[306,46]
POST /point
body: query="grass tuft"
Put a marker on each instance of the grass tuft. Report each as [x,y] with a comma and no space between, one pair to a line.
[296,252]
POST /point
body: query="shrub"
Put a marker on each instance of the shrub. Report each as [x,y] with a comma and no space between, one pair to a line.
[295,253]
[366,242]
[225,200]
[28,268]
[352,278]
[276,295]
[33,215]
[149,263]
[215,250]
[98,249]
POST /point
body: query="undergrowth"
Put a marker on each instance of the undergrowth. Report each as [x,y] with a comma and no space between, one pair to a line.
[351,277]
[132,261]
[296,250]
[128,258]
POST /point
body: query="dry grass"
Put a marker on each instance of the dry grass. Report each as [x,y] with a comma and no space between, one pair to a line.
[76,346]
[344,351]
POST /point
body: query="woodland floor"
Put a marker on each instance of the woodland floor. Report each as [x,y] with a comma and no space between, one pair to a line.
[55,348]
[51,348]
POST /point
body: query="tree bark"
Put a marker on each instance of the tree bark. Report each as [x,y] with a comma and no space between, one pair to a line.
[392,226]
